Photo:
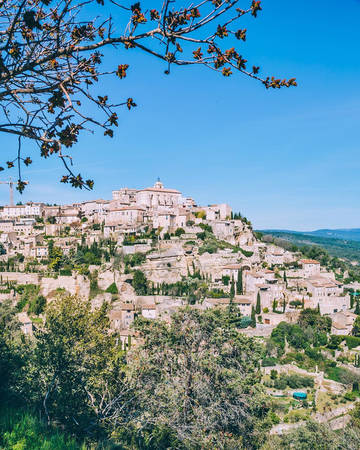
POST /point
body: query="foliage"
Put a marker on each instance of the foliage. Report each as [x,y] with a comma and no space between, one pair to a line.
[22,429]
[315,436]
[258,303]
[269,361]
[198,380]
[73,366]
[312,318]
[68,66]
[356,327]
[140,283]
[352,341]
[246,253]
[294,381]
[342,375]
[136,259]
[206,227]
[179,232]
[37,305]
[29,294]
[112,289]
[12,352]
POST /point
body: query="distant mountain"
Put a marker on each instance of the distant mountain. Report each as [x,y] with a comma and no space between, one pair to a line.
[341,243]
[352,234]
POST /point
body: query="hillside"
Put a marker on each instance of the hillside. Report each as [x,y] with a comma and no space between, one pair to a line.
[341,248]
[352,234]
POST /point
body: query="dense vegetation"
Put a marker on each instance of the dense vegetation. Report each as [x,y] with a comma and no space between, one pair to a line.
[340,248]
[193,383]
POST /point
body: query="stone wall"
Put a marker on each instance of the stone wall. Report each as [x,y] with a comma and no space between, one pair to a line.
[78,285]
[19,277]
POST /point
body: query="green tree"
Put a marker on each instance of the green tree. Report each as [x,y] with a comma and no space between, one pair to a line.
[357,307]
[179,232]
[197,379]
[232,287]
[239,283]
[140,283]
[253,317]
[312,318]
[13,353]
[356,327]
[258,303]
[74,365]
[112,289]
[37,306]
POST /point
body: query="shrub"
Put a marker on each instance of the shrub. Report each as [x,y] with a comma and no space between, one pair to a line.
[352,341]
[206,227]
[66,272]
[37,305]
[179,232]
[201,214]
[269,361]
[335,341]
[112,289]
[246,253]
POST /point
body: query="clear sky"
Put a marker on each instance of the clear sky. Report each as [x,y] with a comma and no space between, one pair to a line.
[284,158]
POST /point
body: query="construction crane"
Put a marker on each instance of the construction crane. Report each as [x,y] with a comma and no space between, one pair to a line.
[11,188]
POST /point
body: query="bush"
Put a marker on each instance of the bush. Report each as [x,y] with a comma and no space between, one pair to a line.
[206,227]
[335,341]
[269,361]
[66,272]
[342,375]
[201,235]
[298,381]
[246,253]
[37,305]
[352,341]
[179,232]
[112,289]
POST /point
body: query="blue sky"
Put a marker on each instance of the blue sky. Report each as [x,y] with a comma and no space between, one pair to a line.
[286,159]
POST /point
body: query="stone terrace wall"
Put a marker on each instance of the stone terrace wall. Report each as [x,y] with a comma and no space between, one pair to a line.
[78,285]
[20,277]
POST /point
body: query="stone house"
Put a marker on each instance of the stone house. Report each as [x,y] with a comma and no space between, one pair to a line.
[149,311]
[310,267]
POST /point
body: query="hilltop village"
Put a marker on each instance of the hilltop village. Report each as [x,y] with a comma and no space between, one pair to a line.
[150,251]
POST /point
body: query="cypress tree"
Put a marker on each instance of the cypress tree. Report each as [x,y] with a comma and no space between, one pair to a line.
[239,283]
[351,301]
[253,318]
[232,288]
[258,303]
[357,307]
